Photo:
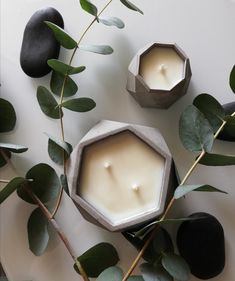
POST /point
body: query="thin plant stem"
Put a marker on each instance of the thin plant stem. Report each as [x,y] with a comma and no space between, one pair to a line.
[62,97]
[169,206]
[4,181]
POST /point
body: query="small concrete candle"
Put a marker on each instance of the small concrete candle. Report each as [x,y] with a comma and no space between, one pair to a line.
[158,75]
[120,175]
[162,68]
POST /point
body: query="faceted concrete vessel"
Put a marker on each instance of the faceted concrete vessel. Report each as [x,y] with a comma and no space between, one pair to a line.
[104,130]
[143,92]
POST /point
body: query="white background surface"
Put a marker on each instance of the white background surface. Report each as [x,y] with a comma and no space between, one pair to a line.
[203,29]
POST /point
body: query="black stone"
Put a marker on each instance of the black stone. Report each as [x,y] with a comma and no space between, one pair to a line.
[39,43]
[229,109]
[201,244]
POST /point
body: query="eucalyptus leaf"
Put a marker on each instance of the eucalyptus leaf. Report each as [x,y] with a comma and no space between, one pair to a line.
[149,227]
[56,84]
[58,150]
[57,153]
[7,116]
[47,102]
[38,235]
[176,266]
[79,104]
[154,273]
[160,242]
[64,145]
[43,181]
[112,21]
[113,273]
[16,148]
[61,36]
[131,6]
[98,258]
[99,49]
[89,7]
[182,190]
[64,68]
[10,187]
[212,110]
[210,159]
[7,153]
[195,131]
[64,183]
[232,79]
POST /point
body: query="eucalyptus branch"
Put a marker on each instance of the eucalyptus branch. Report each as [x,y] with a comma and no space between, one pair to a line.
[50,218]
[62,96]
[169,206]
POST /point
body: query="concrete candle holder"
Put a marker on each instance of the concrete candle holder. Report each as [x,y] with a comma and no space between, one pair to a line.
[103,166]
[158,75]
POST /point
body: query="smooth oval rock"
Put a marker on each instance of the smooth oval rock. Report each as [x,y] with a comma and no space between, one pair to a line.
[201,244]
[229,109]
[39,43]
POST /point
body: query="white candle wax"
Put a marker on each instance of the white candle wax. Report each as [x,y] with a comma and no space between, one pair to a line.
[162,68]
[121,176]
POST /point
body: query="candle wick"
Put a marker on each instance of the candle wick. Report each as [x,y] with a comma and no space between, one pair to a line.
[135,187]
[107,165]
[162,68]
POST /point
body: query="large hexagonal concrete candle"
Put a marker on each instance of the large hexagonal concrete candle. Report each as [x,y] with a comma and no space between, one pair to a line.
[158,75]
[120,175]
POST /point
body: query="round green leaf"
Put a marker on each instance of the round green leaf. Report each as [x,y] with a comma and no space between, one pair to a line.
[64,68]
[160,243]
[89,7]
[112,21]
[232,79]
[3,161]
[154,273]
[113,273]
[97,259]
[47,102]
[210,159]
[212,110]
[182,190]
[43,181]
[98,49]
[38,235]
[56,83]
[10,188]
[61,36]
[7,116]
[131,6]
[16,148]
[195,131]
[58,153]
[64,183]
[176,266]
[79,104]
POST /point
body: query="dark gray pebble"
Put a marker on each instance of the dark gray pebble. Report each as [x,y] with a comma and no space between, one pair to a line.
[201,244]
[39,43]
[224,135]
